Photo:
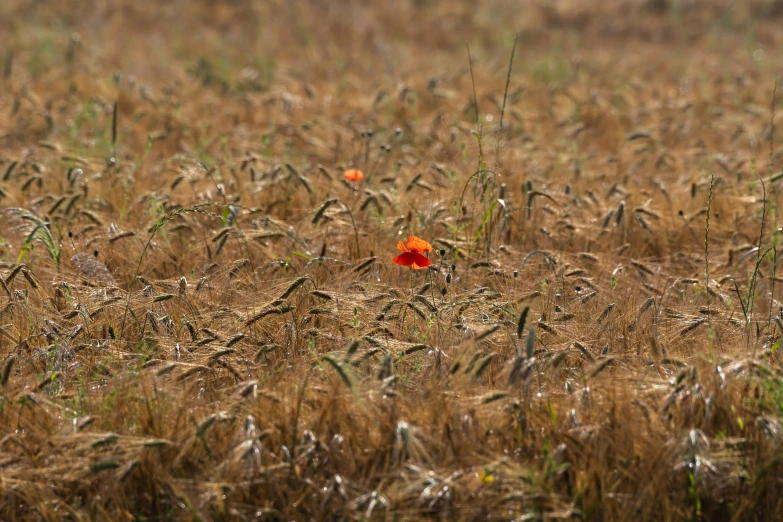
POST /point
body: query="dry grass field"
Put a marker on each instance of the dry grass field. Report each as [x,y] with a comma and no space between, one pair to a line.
[200,318]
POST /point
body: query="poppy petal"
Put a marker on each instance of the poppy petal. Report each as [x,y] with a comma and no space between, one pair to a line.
[401,246]
[421,262]
[406,259]
[413,260]
[353,175]
[416,244]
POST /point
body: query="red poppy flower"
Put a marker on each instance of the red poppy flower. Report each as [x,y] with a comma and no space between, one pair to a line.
[353,175]
[412,253]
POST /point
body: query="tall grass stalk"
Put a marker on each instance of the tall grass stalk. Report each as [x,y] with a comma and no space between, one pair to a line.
[707,252]
[759,256]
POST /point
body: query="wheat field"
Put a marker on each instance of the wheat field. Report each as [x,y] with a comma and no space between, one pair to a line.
[201,319]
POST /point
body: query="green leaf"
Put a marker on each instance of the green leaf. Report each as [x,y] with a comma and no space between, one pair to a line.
[487,216]
[552,414]
[302,255]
